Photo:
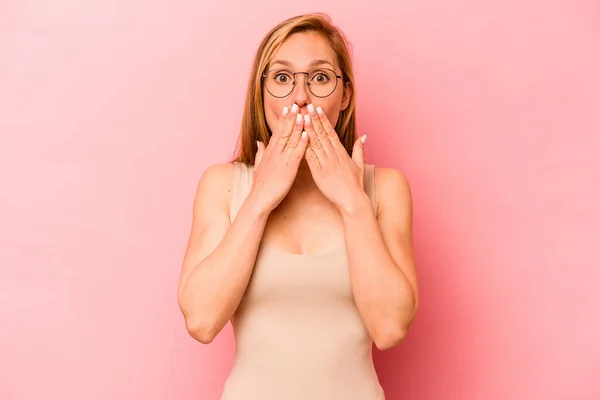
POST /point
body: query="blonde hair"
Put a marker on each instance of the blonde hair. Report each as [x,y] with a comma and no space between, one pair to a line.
[254,125]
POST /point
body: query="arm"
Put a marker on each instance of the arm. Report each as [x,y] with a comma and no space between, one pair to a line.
[220,256]
[381,261]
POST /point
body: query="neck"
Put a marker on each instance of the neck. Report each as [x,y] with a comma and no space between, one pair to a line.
[304,177]
[304,166]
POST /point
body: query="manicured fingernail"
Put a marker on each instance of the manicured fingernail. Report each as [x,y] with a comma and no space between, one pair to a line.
[319,110]
[299,118]
[363,139]
[285,110]
[311,108]
[307,119]
[304,134]
[294,107]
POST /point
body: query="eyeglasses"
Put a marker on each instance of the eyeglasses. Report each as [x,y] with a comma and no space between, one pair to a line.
[321,82]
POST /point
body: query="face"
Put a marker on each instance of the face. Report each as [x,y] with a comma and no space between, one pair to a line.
[305,52]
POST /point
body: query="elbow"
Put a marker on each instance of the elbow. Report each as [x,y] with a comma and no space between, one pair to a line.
[198,325]
[202,329]
[394,334]
[203,337]
[205,333]
[390,339]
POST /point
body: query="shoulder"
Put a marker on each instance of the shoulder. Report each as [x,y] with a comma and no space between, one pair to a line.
[218,171]
[220,174]
[216,184]
[392,189]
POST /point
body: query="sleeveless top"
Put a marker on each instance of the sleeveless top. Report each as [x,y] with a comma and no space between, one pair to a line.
[297,330]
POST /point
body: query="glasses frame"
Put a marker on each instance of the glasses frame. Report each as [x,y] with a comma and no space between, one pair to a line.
[264,76]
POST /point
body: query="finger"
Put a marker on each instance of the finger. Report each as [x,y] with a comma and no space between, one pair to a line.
[317,125]
[299,151]
[284,126]
[334,139]
[358,154]
[283,118]
[296,133]
[312,159]
[314,141]
[259,153]
[330,146]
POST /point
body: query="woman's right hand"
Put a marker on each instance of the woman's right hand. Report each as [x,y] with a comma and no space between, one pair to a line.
[276,165]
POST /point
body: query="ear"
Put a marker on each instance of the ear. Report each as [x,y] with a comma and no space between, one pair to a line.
[346,96]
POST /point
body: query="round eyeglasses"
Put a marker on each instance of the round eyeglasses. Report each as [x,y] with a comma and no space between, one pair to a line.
[321,82]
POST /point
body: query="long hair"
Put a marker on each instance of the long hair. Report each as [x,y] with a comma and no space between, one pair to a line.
[254,125]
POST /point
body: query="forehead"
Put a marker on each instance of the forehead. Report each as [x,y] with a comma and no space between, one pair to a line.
[300,49]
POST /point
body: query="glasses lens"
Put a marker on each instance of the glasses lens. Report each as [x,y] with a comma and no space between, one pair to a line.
[279,83]
[322,82]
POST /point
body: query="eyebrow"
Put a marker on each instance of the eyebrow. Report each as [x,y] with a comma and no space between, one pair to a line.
[312,63]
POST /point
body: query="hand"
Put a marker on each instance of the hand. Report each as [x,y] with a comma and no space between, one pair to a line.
[339,176]
[276,166]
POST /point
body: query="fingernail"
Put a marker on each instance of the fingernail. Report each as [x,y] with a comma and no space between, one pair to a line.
[319,110]
[306,119]
[257,143]
[285,110]
[299,118]
[311,108]
[304,134]
[363,139]
[294,107]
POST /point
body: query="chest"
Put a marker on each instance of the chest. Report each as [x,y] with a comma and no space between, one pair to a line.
[308,224]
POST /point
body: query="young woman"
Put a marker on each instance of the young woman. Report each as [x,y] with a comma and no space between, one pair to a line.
[307,250]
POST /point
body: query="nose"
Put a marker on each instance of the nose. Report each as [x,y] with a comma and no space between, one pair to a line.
[300,94]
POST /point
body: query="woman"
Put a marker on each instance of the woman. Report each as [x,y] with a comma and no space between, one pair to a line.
[304,247]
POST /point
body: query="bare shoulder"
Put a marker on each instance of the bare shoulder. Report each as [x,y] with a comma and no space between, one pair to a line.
[215,185]
[392,190]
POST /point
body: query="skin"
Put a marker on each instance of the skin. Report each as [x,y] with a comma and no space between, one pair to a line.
[299,50]
[325,207]
[325,224]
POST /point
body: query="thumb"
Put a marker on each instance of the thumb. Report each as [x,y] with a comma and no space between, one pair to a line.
[259,153]
[358,154]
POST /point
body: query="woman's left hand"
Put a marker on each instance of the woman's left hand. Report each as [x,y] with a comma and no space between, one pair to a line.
[339,176]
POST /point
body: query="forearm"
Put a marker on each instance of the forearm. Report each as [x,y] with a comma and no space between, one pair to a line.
[384,296]
[214,288]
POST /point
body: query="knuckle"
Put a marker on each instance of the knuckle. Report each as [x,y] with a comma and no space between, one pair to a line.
[283,118]
[281,145]
[292,144]
[311,156]
[298,155]
[285,131]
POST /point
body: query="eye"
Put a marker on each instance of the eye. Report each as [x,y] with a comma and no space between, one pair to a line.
[320,77]
[282,77]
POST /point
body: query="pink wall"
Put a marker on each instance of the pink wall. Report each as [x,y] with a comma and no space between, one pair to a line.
[111,110]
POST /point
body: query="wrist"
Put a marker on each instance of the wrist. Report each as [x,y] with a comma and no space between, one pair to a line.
[355,206]
[256,207]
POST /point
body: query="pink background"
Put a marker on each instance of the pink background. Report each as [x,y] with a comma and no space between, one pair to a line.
[111,110]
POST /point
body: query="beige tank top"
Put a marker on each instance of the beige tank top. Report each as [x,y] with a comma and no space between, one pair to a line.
[297,330]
